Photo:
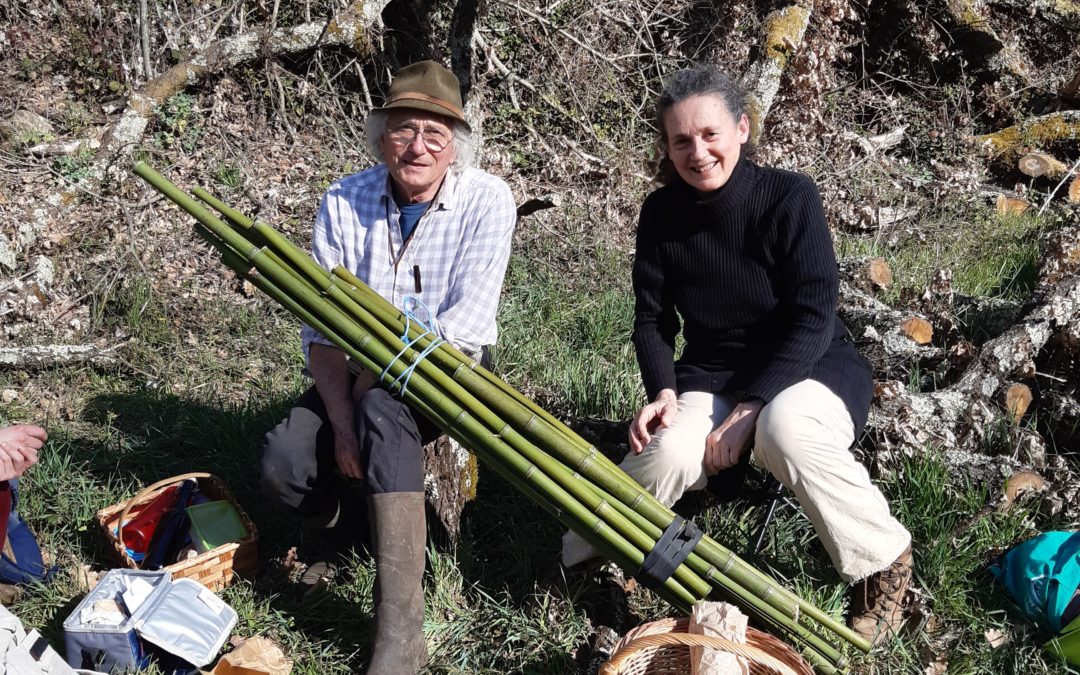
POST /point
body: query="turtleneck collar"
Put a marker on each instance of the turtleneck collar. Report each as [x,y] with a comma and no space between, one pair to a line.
[730,194]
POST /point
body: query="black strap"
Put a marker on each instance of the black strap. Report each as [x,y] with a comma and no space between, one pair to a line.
[674,545]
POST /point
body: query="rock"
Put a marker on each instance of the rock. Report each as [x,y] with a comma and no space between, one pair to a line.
[43,272]
[25,124]
[7,253]
[8,395]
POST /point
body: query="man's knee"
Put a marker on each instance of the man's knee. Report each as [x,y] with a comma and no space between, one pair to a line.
[287,461]
[375,406]
[390,442]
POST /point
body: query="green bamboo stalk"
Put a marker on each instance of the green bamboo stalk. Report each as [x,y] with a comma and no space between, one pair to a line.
[602,508]
[450,415]
[632,494]
[642,542]
[551,421]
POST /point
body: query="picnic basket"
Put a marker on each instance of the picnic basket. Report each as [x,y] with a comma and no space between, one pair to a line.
[663,648]
[214,568]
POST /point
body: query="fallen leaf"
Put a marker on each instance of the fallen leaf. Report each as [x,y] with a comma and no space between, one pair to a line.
[995,638]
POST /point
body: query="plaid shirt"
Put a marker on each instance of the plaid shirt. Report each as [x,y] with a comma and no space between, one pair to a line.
[459,249]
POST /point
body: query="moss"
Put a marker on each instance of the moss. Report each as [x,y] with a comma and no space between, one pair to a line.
[1040,133]
[471,476]
[967,14]
[783,30]
[1067,7]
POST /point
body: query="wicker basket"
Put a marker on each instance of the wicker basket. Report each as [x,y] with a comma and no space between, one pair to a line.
[663,648]
[214,568]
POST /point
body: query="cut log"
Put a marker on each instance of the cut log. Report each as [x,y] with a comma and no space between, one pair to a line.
[866,274]
[450,478]
[1038,132]
[1011,206]
[1017,399]
[783,33]
[877,329]
[918,329]
[47,356]
[1036,164]
[960,416]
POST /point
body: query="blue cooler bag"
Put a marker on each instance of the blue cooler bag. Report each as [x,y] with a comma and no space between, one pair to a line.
[1043,574]
[181,618]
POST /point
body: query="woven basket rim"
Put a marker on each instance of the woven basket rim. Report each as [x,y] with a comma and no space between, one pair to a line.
[645,640]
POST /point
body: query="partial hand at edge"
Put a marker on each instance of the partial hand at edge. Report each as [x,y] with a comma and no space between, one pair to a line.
[19,445]
[654,416]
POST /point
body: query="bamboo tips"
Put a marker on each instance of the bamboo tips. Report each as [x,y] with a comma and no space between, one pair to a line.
[513,436]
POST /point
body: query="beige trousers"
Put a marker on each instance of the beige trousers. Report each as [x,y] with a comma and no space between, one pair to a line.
[802,438]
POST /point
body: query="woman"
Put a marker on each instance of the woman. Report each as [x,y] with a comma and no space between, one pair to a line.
[741,256]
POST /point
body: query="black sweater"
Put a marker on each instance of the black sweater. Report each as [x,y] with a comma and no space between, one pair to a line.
[750,271]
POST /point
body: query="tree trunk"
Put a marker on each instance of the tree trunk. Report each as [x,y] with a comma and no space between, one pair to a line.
[449,482]
[784,30]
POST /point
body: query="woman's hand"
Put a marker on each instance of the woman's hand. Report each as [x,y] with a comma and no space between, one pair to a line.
[656,415]
[19,445]
[727,442]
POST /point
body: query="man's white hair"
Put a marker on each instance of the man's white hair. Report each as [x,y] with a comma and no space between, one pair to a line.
[375,127]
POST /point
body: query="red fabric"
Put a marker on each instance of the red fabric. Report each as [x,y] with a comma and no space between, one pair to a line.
[5,510]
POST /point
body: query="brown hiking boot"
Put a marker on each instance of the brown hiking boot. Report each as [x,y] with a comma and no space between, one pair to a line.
[877,601]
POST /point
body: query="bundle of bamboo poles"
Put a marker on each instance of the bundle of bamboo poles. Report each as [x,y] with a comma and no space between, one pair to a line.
[531,449]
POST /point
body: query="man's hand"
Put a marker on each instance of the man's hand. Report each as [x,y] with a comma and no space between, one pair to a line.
[727,442]
[347,456]
[19,445]
[365,379]
[656,415]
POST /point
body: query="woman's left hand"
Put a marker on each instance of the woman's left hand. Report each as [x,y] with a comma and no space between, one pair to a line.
[727,442]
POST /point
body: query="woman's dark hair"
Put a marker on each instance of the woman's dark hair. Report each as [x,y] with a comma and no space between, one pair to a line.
[688,83]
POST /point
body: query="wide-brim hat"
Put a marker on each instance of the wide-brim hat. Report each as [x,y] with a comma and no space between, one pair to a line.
[426,86]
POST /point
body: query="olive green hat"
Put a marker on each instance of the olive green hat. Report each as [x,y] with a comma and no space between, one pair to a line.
[426,86]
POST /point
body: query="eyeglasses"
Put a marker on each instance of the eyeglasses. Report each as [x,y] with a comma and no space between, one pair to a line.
[435,140]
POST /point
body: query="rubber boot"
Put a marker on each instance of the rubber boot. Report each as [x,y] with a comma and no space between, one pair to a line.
[399,534]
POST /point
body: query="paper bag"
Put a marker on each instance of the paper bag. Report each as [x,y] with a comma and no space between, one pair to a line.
[717,619]
[256,656]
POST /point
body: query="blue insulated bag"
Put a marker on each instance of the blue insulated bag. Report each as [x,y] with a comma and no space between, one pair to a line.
[179,621]
[1042,575]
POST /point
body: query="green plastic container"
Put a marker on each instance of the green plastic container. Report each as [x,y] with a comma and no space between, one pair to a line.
[1067,645]
[214,524]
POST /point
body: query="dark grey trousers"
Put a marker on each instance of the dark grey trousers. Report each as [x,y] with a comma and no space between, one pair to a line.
[296,462]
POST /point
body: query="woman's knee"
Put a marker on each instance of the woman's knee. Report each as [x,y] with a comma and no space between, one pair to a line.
[676,452]
[793,430]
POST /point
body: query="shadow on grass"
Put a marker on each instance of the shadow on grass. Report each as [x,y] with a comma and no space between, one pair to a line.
[149,436]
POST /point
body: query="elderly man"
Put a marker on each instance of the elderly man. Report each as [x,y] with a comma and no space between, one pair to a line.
[420,225]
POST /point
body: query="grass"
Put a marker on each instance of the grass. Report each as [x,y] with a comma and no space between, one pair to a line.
[545,314]
[990,255]
[207,376]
